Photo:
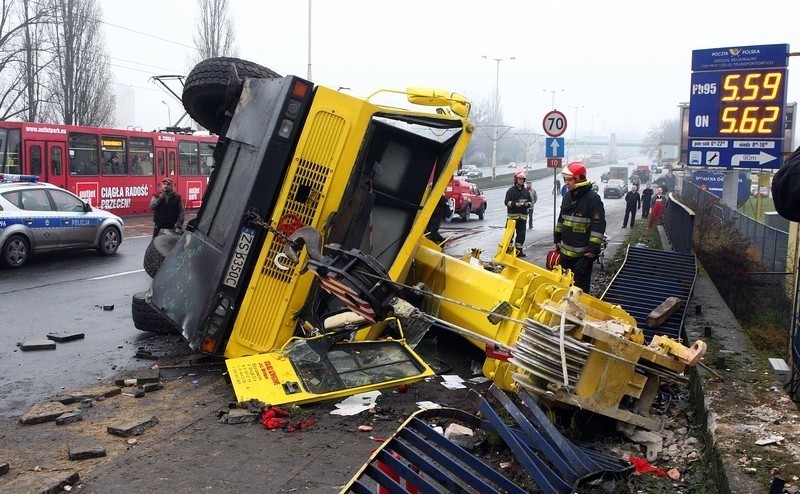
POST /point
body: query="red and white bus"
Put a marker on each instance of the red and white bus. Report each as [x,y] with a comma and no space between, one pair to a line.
[112,169]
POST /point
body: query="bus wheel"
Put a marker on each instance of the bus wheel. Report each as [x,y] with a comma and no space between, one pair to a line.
[146,318]
[212,87]
[157,251]
[16,251]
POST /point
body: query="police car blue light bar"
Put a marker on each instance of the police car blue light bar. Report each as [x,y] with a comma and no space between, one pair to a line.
[10,177]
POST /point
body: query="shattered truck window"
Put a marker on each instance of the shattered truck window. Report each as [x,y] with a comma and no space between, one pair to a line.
[354,365]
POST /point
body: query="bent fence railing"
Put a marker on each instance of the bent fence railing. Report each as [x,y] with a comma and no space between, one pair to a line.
[679,225]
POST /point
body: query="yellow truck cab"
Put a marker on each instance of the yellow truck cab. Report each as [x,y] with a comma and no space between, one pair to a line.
[294,154]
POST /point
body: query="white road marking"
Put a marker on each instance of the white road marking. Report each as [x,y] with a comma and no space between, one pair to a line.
[124,273]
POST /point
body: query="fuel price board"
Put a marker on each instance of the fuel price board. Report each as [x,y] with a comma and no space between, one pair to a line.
[737,105]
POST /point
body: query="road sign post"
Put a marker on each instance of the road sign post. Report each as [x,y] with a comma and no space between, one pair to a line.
[554,124]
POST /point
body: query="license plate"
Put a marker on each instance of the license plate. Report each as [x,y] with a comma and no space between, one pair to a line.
[236,266]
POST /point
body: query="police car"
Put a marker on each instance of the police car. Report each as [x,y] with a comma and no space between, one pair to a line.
[40,217]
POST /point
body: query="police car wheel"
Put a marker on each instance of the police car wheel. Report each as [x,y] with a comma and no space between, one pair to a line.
[109,241]
[146,318]
[157,251]
[213,86]
[16,251]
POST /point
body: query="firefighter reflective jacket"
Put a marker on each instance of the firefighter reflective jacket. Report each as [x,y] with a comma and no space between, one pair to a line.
[517,199]
[581,222]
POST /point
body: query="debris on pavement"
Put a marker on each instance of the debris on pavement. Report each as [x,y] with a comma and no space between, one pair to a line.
[353,405]
[133,428]
[85,452]
[31,345]
[63,338]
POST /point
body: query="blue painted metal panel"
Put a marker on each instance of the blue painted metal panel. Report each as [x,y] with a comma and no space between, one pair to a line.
[646,279]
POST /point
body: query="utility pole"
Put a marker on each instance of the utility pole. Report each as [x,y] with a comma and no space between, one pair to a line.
[496,110]
[308,74]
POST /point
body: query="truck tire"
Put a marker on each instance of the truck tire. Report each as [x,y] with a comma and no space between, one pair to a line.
[482,211]
[146,318]
[209,89]
[466,212]
[157,251]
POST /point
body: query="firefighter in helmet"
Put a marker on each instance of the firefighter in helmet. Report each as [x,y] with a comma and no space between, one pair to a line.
[581,224]
[518,200]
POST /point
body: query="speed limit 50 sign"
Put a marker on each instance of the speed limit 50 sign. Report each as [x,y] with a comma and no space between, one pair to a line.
[554,123]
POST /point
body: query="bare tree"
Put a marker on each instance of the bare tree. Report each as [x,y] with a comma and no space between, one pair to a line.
[80,76]
[666,132]
[37,54]
[215,35]
[18,19]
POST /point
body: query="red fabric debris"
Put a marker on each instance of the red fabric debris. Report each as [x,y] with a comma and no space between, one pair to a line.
[273,418]
[643,466]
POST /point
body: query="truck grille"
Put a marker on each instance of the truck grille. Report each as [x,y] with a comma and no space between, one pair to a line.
[269,297]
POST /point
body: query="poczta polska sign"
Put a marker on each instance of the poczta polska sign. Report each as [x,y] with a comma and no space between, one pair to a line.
[737,107]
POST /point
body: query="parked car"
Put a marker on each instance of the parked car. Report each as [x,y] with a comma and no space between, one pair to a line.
[467,199]
[470,171]
[615,188]
[40,217]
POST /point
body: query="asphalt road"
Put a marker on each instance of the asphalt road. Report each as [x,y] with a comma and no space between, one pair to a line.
[69,293]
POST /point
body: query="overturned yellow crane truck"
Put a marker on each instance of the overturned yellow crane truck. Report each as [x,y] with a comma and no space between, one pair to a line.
[308,267]
[292,154]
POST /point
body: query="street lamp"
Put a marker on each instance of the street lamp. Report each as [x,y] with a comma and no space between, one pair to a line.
[308,75]
[496,110]
[591,135]
[169,113]
[553,97]
[575,131]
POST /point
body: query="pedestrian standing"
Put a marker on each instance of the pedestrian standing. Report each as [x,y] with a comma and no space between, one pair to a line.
[517,201]
[581,224]
[647,197]
[534,198]
[632,203]
[657,210]
[167,207]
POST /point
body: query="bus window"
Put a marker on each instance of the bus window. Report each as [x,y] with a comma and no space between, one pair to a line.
[55,161]
[188,158]
[36,160]
[114,156]
[9,153]
[161,163]
[141,150]
[171,163]
[83,155]
[206,159]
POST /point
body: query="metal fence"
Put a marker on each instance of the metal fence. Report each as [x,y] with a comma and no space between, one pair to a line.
[679,225]
[770,243]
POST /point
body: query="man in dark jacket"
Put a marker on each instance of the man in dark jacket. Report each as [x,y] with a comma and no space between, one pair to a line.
[517,201]
[647,196]
[581,225]
[167,207]
[632,202]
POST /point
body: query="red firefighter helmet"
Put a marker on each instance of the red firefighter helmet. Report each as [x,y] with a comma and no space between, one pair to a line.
[553,259]
[574,169]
